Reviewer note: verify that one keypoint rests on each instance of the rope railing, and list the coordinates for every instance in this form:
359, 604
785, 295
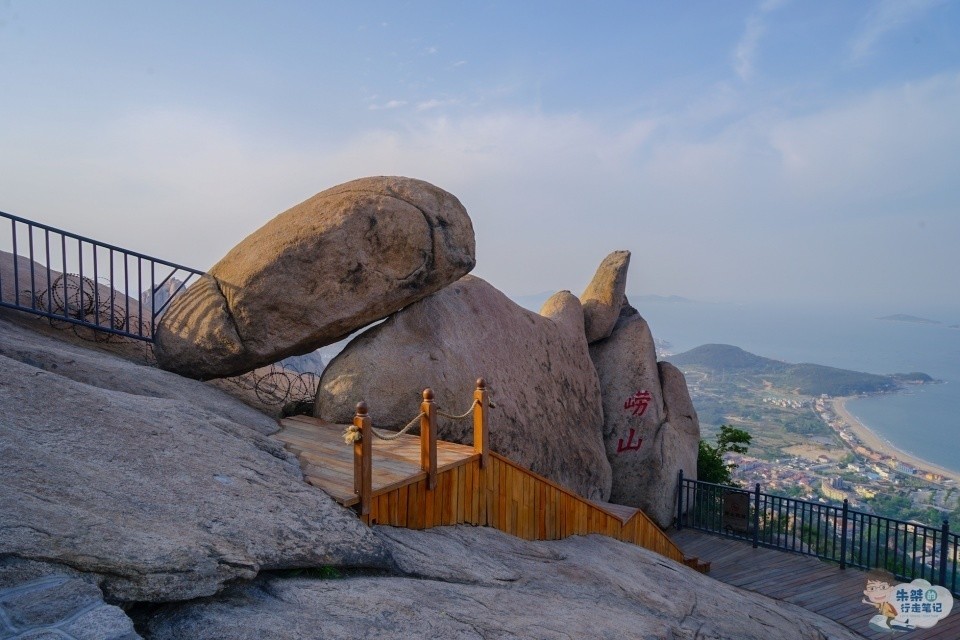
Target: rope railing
352, 434
465, 414
361, 435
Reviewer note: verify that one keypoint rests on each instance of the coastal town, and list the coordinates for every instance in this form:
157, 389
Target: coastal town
806, 444
869, 473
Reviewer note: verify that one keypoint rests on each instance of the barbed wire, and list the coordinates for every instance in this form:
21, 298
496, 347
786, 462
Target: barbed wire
278, 385
80, 298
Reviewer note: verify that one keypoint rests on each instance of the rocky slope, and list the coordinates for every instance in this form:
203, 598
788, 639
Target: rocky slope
466, 582
169, 498
164, 488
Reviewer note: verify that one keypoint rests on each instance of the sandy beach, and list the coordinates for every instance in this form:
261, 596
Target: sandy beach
875, 443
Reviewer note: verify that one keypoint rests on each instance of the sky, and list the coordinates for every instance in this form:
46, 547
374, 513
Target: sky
800, 152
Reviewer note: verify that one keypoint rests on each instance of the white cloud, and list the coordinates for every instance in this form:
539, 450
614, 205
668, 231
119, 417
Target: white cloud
550, 195
745, 53
392, 104
896, 141
436, 103
746, 50
884, 17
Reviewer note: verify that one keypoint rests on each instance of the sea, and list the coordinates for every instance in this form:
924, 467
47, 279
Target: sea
923, 420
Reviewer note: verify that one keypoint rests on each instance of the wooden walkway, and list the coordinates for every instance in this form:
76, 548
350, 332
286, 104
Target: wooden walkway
500, 493
813, 584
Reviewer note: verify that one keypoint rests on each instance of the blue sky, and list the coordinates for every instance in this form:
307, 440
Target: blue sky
804, 151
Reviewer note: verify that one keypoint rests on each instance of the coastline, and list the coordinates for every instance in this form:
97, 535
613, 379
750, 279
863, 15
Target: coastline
875, 443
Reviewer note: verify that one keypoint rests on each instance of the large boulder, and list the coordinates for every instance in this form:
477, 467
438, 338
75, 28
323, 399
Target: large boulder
345, 258
481, 583
548, 414
604, 296
160, 487
682, 434
650, 427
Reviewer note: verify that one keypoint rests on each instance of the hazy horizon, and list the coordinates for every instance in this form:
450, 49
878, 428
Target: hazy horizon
768, 152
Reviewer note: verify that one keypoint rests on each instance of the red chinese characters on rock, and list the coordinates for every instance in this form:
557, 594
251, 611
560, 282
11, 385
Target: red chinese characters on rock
638, 402
630, 446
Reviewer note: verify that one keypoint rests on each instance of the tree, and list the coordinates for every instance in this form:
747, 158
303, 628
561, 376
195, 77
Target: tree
710, 464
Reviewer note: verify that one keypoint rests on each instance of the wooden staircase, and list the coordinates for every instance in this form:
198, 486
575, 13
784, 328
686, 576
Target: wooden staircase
418, 482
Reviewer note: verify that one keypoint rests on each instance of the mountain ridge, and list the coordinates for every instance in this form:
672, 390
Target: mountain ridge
806, 378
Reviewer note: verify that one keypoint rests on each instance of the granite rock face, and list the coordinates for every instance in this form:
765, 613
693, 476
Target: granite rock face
161, 496
474, 582
684, 431
651, 430
38, 600
548, 413
604, 296
345, 258
18, 284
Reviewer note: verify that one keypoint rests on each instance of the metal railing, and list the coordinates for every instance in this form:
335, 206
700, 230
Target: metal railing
838, 534
72, 279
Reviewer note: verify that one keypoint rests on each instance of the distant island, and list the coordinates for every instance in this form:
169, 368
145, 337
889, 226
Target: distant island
806, 379
902, 317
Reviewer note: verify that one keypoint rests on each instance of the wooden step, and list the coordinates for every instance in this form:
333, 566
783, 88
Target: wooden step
499, 493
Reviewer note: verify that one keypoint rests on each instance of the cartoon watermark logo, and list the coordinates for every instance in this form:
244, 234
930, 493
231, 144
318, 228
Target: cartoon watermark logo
905, 606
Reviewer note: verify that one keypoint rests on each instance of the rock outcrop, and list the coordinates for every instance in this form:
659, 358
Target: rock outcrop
161, 487
345, 258
38, 600
21, 279
548, 415
604, 296
481, 583
646, 448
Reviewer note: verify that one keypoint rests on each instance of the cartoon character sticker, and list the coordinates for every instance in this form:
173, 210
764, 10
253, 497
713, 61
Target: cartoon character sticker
906, 606
877, 592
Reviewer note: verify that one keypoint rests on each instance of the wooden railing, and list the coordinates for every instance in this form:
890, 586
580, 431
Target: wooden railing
485, 489
363, 446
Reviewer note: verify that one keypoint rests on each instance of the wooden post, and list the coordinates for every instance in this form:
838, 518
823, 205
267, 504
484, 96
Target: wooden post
428, 438
363, 459
481, 435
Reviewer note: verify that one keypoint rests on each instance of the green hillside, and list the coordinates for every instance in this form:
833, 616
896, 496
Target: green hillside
807, 379
726, 357
816, 379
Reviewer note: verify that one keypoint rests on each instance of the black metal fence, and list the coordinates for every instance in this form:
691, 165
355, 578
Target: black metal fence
72, 279
836, 533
